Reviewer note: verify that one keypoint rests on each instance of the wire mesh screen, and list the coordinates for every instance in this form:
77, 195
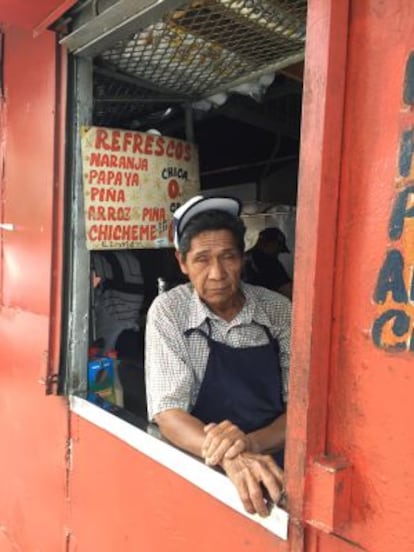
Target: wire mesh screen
208, 44
118, 103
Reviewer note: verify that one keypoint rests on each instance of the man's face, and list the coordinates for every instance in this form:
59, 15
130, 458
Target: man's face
213, 264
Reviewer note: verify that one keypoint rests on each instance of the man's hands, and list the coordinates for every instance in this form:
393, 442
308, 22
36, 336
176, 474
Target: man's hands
253, 475
223, 441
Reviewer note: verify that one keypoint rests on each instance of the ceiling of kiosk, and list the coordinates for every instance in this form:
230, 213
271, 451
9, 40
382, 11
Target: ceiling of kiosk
196, 48
208, 45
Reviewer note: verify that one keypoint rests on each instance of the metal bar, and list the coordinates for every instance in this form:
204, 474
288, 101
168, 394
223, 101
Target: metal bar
108, 71
266, 168
273, 67
189, 123
52, 17
137, 100
249, 165
78, 257
116, 23
57, 312
80, 7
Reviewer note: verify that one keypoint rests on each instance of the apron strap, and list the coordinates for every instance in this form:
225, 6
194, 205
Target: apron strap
188, 332
272, 340
275, 344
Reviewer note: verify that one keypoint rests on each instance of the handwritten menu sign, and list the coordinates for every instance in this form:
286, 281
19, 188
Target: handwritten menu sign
133, 183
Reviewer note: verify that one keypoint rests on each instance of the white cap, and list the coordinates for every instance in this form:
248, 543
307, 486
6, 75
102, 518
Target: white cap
199, 204
153, 131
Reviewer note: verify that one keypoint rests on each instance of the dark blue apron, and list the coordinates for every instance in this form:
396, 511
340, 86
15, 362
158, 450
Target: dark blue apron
243, 385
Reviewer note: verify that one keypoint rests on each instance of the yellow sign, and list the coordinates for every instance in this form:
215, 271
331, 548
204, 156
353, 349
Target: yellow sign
133, 183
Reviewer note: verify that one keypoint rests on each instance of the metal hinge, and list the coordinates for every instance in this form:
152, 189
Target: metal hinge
52, 383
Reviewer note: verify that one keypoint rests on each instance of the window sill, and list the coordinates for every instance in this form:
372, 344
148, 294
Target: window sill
191, 469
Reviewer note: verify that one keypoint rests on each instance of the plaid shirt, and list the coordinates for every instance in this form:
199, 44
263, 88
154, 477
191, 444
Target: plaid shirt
175, 363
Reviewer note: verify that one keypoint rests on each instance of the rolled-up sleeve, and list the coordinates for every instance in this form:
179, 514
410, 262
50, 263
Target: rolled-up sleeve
168, 374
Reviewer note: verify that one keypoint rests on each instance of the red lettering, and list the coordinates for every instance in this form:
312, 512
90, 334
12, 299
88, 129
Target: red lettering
109, 213
94, 193
137, 143
159, 150
95, 159
111, 194
92, 233
119, 232
148, 144
101, 139
173, 189
127, 140
134, 235
132, 179
92, 175
115, 140
153, 213
144, 232
170, 148
171, 231
179, 151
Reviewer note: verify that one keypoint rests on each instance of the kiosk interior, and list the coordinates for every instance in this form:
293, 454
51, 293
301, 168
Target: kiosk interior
214, 84
252, 160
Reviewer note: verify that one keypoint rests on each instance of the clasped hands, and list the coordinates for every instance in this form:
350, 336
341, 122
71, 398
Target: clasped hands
232, 449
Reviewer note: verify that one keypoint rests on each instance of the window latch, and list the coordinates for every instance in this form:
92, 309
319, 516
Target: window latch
329, 501
52, 382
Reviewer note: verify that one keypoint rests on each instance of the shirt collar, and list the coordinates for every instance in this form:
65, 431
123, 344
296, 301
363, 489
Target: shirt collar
251, 311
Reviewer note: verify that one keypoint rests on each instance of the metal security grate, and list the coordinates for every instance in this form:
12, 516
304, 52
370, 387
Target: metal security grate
208, 45
119, 103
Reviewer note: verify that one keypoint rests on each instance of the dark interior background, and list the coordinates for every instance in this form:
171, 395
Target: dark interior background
245, 140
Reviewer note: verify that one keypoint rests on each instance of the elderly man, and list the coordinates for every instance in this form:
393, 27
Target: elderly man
217, 355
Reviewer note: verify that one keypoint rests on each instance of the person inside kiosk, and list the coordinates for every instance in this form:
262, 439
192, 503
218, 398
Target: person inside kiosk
217, 356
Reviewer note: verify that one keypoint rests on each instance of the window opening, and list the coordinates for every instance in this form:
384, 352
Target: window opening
248, 139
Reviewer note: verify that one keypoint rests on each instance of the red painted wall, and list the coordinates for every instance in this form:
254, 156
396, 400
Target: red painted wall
33, 427
349, 397
122, 500
31, 14
356, 396
371, 405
